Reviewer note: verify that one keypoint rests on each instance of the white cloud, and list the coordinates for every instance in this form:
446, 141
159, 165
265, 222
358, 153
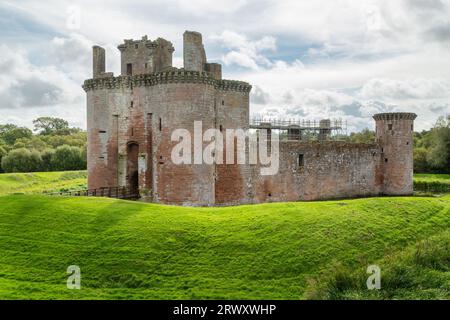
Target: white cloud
245, 53
322, 58
28, 90
382, 88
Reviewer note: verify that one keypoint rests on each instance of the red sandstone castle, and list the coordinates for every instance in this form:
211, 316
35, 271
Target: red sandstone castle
131, 118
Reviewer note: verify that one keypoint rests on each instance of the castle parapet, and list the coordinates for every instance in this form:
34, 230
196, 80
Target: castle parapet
395, 116
177, 76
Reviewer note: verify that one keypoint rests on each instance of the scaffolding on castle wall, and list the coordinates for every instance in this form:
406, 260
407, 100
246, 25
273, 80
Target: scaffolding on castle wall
302, 129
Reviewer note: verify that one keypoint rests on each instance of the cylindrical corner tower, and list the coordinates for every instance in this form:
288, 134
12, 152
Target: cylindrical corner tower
394, 133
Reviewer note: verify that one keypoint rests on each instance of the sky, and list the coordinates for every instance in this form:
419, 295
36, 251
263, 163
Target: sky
318, 59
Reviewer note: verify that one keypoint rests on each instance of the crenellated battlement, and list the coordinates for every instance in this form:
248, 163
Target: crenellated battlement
173, 76
395, 116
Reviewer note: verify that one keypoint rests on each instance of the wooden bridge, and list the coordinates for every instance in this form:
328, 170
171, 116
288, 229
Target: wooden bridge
109, 192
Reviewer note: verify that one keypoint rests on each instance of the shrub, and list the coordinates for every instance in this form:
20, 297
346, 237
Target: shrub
68, 158
22, 160
47, 162
2, 154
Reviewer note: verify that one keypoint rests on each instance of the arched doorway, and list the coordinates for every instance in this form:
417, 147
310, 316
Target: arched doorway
132, 167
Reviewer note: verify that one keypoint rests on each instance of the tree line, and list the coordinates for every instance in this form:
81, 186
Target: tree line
51, 146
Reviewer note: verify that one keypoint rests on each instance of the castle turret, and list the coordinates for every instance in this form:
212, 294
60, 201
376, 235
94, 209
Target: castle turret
394, 133
98, 61
193, 51
194, 56
145, 56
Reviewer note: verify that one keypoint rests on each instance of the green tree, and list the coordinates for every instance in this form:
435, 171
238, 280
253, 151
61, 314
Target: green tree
420, 160
439, 155
365, 136
47, 159
6, 127
2, 154
22, 160
35, 142
50, 125
10, 133
68, 158
76, 139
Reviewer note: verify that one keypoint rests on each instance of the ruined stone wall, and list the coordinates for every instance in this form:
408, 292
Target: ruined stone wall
98, 61
194, 56
330, 169
145, 56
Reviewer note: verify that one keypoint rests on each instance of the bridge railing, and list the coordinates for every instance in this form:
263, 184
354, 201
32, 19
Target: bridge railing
109, 192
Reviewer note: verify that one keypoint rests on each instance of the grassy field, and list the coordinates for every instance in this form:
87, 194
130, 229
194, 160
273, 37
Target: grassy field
38, 182
432, 183
132, 250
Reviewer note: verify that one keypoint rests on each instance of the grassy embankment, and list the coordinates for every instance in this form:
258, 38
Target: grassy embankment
38, 182
270, 251
432, 183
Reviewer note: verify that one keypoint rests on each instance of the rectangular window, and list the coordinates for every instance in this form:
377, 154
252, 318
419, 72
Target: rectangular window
129, 69
390, 126
301, 160
160, 124
101, 131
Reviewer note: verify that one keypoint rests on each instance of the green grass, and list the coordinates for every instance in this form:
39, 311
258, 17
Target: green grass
38, 182
421, 271
132, 250
432, 183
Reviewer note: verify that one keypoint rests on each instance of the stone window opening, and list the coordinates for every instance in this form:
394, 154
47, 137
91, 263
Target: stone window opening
136, 46
407, 143
390, 126
220, 128
146, 65
160, 124
386, 160
223, 102
270, 194
101, 131
300, 160
132, 131
131, 104
129, 69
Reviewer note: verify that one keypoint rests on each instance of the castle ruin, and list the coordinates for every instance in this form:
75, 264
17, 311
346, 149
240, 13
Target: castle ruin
130, 119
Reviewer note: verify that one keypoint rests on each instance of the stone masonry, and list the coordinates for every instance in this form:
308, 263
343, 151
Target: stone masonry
131, 118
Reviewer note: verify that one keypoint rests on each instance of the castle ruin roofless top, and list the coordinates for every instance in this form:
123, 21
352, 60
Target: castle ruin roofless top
131, 118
